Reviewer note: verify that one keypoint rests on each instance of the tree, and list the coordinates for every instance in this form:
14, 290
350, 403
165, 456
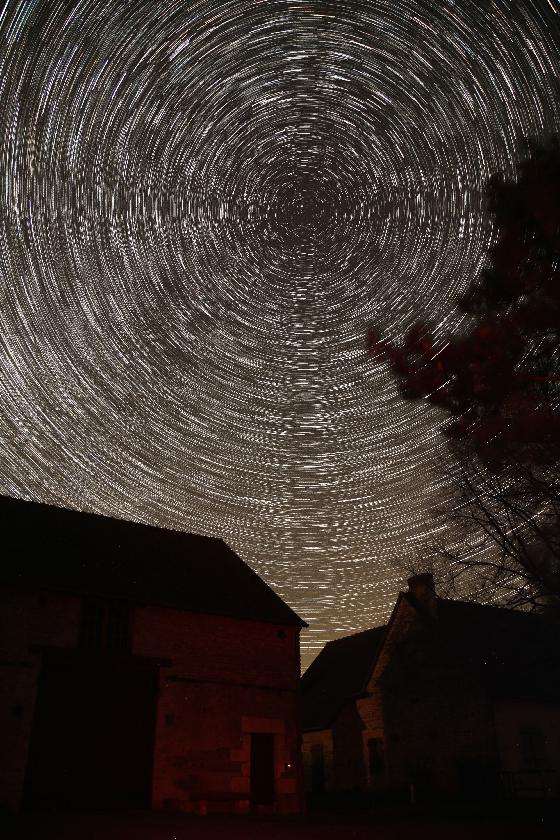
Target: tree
502, 535
499, 383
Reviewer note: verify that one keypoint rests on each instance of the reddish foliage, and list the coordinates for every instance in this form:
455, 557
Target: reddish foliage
499, 382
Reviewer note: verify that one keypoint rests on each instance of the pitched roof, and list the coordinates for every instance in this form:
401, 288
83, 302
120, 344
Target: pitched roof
53, 548
516, 653
341, 671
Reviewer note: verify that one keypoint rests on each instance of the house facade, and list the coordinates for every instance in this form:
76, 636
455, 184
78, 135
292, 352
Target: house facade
141, 667
333, 741
451, 698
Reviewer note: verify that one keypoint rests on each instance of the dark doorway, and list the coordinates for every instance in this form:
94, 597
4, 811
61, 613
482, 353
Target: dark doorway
376, 757
317, 769
92, 739
262, 769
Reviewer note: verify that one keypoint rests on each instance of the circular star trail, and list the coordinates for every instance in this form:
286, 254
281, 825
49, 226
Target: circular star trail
202, 207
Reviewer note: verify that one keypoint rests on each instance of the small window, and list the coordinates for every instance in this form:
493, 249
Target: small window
105, 626
533, 749
91, 626
376, 756
117, 627
317, 769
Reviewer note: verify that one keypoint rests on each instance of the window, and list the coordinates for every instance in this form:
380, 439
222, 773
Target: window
533, 748
317, 769
117, 627
105, 626
376, 758
91, 628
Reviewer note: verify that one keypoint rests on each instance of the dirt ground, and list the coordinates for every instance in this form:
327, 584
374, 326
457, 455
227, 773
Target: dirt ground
314, 826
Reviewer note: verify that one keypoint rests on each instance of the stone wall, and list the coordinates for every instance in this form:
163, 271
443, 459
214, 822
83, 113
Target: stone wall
528, 736
318, 761
370, 707
228, 678
26, 619
428, 726
348, 752
439, 728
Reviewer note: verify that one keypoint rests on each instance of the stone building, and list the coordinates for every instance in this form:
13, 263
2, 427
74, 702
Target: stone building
448, 698
141, 666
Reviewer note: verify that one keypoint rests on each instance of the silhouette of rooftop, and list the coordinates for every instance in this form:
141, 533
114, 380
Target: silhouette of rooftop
52, 548
339, 672
515, 653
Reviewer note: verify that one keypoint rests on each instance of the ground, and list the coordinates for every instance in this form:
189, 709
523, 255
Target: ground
392, 825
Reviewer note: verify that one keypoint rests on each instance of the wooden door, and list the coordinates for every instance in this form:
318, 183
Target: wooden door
262, 769
317, 769
92, 739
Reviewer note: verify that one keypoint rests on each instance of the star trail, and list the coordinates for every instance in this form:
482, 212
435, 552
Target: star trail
202, 207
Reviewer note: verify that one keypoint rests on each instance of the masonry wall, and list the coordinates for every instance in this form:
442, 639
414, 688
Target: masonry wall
318, 747
26, 619
349, 762
370, 707
428, 726
229, 678
342, 752
528, 737
427, 716
347, 756
439, 726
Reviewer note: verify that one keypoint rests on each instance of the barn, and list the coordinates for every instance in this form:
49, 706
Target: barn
141, 667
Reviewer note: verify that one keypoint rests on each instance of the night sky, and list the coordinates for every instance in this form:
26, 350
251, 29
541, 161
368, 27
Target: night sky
202, 207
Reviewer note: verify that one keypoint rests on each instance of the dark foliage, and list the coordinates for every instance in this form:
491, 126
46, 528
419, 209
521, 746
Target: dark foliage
504, 534
499, 382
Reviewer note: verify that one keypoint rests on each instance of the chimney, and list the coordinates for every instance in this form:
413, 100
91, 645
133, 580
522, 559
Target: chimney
423, 591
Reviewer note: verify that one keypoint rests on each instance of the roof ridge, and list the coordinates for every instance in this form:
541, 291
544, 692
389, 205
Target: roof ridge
496, 607
357, 633
111, 517
144, 563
